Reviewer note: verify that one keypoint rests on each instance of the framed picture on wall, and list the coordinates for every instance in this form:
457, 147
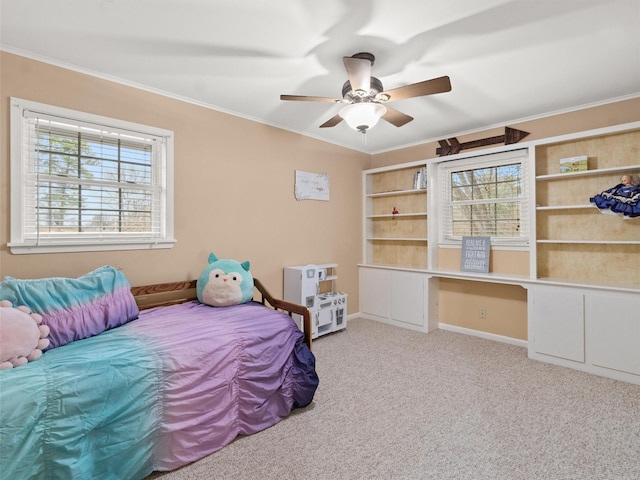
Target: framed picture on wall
311, 186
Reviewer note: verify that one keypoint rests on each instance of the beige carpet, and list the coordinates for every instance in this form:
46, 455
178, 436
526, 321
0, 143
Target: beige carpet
397, 404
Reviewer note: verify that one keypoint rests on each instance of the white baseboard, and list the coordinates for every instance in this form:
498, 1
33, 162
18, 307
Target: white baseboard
452, 328
353, 315
485, 335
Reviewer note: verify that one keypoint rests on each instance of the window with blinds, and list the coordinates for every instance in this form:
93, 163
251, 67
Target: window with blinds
82, 182
486, 196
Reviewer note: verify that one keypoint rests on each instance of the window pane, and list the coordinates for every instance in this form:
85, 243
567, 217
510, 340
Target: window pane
135, 173
136, 222
484, 175
103, 148
56, 141
57, 164
459, 194
461, 229
485, 183
99, 221
70, 207
89, 183
463, 178
508, 172
494, 219
487, 190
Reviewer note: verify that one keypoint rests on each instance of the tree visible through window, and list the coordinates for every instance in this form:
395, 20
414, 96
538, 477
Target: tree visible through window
82, 182
486, 201
485, 196
92, 184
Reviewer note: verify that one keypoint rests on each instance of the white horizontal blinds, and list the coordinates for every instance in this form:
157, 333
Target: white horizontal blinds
487, 197
88, 181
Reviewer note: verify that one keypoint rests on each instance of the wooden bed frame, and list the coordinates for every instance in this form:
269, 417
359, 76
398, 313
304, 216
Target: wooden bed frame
163, 294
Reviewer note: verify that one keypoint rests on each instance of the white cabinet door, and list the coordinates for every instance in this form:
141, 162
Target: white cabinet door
401, 298
407, 298
375, 292
613, 331
556, 320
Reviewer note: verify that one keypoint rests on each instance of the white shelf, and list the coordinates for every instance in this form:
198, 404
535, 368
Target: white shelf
565, 207
398, 239
599, 171
397, 192
595, 242
391, 215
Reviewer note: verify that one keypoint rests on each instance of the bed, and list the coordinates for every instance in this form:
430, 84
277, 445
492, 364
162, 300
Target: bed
168, 387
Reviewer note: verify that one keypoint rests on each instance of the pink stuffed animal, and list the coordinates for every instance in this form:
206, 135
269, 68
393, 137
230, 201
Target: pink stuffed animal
22, 338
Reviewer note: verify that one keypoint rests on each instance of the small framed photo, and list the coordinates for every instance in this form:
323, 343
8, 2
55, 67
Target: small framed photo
574, 164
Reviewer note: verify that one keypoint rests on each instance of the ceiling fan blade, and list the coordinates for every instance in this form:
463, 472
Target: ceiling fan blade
395, 117
332, 122
302, 98
428, 87
358, 72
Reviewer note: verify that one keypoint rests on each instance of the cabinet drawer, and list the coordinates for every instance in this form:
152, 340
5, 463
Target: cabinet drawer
557, 317
613, 331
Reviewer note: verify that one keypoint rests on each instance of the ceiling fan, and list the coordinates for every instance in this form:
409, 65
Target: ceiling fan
365, 96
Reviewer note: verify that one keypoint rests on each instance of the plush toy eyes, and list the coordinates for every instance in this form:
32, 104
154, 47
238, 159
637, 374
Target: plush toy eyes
233, 276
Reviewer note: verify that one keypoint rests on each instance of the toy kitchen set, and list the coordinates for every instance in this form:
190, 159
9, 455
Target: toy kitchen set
313, 287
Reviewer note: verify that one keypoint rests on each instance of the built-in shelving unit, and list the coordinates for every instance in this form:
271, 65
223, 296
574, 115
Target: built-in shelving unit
395, 238
575, 241
583, 278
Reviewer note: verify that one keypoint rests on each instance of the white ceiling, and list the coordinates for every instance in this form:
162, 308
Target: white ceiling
508, 60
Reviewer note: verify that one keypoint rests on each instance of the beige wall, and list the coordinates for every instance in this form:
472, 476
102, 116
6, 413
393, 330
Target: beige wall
505, 307
234, 192
234, 187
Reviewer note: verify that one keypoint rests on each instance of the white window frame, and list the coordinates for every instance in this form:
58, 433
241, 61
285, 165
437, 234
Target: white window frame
23, 241
445, 169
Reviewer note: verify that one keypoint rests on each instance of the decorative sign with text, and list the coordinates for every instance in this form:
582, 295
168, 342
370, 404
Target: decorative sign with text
475, 254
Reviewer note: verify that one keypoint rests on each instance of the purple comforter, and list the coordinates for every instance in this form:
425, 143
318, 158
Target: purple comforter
164, 390
227, 371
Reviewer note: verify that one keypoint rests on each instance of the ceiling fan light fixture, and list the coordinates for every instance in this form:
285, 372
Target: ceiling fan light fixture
362, 116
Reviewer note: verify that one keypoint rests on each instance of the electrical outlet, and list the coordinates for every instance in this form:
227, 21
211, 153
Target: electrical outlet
483, 313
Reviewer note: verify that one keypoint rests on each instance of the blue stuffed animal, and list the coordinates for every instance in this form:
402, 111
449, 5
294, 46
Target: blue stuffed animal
225, 282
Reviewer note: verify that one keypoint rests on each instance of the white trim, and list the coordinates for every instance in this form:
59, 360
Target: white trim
394, 323
440, 172
22, 243
487, 336
444, 326
89, 247
90, 118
